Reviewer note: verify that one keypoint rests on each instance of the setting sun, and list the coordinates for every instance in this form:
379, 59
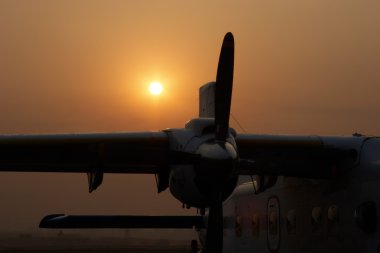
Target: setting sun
155, 88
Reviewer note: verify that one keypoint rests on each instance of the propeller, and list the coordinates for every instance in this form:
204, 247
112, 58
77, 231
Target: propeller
214, 235
223, 94
223, 87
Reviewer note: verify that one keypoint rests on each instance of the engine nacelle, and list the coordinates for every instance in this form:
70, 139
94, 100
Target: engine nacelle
212, 171
185, 187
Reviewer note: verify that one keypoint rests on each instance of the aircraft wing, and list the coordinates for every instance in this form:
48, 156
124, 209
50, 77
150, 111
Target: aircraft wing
297, 156
94, 154
140, 152
148, 153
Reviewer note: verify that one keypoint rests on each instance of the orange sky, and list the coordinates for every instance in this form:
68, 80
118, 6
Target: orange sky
302, 67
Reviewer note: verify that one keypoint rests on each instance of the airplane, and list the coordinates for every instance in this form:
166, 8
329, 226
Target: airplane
305, 193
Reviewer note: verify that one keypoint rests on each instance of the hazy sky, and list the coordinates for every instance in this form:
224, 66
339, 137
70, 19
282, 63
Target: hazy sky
302, 67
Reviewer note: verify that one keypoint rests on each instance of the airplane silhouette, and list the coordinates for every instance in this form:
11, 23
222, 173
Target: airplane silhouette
201, 164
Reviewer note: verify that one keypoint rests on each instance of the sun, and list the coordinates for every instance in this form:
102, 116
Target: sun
155, 88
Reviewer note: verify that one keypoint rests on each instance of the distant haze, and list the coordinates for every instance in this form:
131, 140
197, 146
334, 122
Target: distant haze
302, 67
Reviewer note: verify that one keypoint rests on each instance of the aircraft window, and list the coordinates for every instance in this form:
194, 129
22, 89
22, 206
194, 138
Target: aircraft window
255, 224
238, 226
273, 214
291, 222
273, 223
333, 218
316, 220
365, 216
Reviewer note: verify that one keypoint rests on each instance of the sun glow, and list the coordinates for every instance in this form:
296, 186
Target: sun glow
155, 88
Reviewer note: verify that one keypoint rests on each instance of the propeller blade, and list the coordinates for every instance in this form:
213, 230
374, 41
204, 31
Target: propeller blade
223, 87
214, 236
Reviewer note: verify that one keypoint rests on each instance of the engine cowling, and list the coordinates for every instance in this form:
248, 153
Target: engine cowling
196, 184
210, 166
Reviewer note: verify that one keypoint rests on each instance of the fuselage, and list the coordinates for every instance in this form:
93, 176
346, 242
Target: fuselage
308, 215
